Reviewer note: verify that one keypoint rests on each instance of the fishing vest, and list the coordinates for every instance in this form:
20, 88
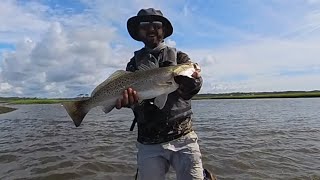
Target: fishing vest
160, 125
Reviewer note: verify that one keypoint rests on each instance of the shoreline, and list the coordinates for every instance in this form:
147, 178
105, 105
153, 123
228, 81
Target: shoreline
4, 109
237, 95
260, 95
251, 97
276, 95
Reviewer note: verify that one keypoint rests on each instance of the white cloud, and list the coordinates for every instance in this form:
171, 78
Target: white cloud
313, 1
16, 21
169, 42
5, 87
261, 66
64, 62
64, 54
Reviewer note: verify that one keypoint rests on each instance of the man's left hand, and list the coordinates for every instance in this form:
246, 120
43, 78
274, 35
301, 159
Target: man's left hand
196, 75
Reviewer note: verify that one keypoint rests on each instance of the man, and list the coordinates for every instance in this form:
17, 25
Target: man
165, 137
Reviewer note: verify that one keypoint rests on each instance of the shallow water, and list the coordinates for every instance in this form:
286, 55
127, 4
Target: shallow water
239, 139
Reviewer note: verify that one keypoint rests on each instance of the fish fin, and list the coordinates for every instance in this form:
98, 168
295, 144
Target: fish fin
113, 76
77, 110
152, 65
161, 100
107, 109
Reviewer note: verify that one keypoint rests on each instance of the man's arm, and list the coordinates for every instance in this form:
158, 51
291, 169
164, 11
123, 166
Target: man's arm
188, 87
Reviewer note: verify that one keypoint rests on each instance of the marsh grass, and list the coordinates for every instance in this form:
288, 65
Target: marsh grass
253, 95
298, 94
4, 109
36, 101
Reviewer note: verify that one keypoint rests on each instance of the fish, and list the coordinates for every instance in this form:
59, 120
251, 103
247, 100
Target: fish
149, 82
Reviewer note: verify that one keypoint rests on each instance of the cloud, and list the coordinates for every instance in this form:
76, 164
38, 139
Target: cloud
170, 43
62, 54
313, 1
74, 57
17, 21
268, 65
65, 51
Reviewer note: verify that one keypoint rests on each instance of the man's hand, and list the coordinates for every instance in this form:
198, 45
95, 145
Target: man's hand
188, 87
129, 98
196, 75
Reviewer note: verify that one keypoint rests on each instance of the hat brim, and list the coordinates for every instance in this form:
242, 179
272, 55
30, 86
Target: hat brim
133, 25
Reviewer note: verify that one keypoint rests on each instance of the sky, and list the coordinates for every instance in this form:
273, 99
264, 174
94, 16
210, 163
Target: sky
63, 48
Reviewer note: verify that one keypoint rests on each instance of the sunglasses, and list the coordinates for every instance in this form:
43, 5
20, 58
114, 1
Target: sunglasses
154, 24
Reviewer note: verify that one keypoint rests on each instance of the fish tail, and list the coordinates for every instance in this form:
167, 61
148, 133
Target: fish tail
77, 110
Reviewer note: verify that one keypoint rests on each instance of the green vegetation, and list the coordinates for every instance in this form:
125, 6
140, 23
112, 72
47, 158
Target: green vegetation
17, 100
4, 109
251, 95
36, 101
257, 95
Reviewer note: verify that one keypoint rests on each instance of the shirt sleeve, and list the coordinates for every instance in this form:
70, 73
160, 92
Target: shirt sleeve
131, 65
188, 87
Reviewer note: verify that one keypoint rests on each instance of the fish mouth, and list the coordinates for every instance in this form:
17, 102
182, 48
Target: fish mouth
196, 67
187, 70
181, 79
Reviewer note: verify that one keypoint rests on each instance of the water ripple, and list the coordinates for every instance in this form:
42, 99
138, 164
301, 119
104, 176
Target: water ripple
239, 139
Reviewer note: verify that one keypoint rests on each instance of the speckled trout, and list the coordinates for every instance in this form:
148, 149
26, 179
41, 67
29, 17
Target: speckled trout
149, 82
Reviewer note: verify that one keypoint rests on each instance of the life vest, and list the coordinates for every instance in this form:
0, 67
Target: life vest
160, 125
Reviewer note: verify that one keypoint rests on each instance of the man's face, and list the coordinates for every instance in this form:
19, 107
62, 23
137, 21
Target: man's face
151, 33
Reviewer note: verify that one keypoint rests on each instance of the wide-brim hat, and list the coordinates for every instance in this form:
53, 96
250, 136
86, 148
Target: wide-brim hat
149, 14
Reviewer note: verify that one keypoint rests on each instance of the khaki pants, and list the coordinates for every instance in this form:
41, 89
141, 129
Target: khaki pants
182, 154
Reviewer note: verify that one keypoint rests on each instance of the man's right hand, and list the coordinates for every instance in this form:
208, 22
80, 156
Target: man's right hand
129, 98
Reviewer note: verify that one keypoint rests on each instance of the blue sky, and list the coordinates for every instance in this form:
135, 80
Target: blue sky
62, 48
7, 46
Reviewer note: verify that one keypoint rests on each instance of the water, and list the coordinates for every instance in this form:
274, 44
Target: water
239, 139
